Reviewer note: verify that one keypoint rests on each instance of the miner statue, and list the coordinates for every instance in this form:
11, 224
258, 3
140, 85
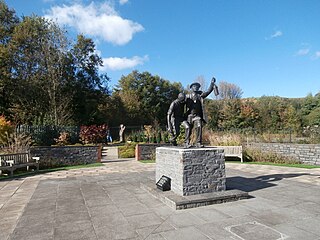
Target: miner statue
188, 111
175, 118
195, 108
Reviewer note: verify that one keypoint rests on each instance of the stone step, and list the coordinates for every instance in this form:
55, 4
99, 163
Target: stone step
178, 202
110, 153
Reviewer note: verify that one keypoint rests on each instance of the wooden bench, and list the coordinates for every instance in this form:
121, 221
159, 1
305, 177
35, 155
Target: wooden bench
11, 162
232, 151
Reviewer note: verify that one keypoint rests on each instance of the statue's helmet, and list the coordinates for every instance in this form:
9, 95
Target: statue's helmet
195, 84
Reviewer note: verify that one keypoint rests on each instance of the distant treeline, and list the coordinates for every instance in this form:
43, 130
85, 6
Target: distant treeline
265, 113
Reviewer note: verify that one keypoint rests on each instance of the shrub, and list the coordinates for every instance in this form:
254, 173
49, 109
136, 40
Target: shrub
17, 143
44, 135
153, 137
313, 133
165, 136
64, 139
127, 151
223, 139
6, 128
93, 134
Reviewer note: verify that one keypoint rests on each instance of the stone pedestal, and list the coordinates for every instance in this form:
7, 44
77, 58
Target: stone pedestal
192, 171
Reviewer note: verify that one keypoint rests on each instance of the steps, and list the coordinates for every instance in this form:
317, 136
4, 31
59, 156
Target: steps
109, 153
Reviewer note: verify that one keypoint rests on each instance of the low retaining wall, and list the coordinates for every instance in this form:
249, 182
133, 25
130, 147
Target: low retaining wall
306, 153
147, 151
66, 155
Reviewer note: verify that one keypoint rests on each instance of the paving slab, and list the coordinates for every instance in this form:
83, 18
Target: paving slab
186, 233
108, 203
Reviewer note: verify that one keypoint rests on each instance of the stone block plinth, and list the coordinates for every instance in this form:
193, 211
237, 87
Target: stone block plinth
192, 171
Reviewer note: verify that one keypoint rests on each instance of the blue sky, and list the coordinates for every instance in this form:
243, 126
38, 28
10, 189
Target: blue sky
266, 47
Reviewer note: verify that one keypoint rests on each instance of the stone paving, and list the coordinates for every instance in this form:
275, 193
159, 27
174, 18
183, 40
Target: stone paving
108, 203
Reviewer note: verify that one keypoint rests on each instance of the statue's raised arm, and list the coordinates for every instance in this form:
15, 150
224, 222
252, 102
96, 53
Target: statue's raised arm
212, 87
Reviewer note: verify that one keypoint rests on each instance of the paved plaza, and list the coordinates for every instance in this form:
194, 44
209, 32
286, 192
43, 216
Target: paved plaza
108, 203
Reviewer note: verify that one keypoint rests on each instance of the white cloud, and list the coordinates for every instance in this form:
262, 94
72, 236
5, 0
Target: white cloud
98, 20
302, 52
317, 55
116, 63
122, 2
276, 34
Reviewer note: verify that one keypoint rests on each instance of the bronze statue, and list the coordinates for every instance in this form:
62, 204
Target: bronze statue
195, 108
193, 116
175, 118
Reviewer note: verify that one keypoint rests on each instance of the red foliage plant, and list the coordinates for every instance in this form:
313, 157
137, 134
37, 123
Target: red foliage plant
93, 134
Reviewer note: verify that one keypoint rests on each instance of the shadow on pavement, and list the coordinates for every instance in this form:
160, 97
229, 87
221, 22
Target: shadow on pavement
116, 160
257, 183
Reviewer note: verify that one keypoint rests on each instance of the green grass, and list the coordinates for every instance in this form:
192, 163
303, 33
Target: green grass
280, 164
260, 163
147, 161
25, 173
75, 167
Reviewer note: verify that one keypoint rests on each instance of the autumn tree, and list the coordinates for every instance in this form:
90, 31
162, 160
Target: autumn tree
249, 114
230, 115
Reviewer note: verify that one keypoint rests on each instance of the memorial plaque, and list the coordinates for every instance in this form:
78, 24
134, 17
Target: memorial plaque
164, 183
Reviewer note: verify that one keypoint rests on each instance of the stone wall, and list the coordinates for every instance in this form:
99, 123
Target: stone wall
66, 155
306, 153
147, 151
192, 171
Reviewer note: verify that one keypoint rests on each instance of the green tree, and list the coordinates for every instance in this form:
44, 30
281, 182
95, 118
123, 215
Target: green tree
27, 72
269, 114
8, 21
90, 87
313, 118
291, 119
45, 79
311, 110
146, 98
38, 83
213, 112
230, 118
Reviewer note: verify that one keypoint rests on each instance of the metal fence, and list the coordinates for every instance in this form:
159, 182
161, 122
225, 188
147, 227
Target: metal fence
306, 136
46, 135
